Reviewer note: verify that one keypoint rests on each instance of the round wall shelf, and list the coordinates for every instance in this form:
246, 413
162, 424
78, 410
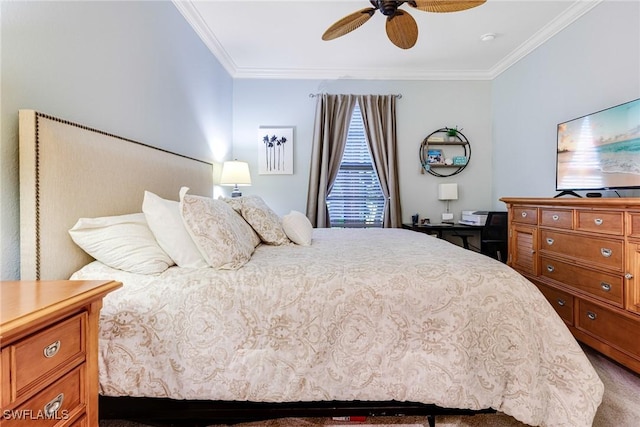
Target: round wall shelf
444, 155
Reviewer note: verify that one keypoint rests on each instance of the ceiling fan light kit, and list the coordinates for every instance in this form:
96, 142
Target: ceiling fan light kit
401, 28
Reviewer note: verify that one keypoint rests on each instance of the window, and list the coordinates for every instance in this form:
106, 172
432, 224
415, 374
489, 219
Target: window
356, 199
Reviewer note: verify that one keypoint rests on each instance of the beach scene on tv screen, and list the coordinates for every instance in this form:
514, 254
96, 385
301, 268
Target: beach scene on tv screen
600, 150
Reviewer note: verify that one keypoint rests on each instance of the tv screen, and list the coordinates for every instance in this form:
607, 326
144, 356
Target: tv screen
600, 151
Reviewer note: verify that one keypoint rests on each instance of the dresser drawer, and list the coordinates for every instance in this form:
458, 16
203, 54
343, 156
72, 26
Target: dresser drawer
634, 224
562, 302
48, 350
607, 287
614, 329
558, 218
592, 250
601, 222
66, 395
525, 215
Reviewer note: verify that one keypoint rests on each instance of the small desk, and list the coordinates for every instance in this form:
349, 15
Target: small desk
439, 229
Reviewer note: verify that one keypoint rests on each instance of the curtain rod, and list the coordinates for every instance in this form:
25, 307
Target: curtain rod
314, 95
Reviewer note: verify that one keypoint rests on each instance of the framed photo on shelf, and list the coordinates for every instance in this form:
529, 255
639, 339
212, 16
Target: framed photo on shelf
435, 156
460, 160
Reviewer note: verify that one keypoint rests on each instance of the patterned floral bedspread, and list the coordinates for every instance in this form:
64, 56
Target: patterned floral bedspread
358, 315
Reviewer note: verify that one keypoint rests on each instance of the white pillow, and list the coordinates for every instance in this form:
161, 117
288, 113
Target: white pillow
223, 237
298, 228
124, 242
261, 218
164, 220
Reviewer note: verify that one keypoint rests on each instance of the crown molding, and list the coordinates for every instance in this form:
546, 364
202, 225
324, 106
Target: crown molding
193, 17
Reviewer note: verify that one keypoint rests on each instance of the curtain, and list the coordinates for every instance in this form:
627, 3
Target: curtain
379, 119
333, 115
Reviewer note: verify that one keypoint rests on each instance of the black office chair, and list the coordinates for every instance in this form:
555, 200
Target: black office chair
493, 238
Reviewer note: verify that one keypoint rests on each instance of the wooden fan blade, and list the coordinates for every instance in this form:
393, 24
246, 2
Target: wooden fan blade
402, 30
348, 23
444, 6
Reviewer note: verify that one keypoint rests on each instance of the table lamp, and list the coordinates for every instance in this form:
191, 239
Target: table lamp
447, 192
237, 174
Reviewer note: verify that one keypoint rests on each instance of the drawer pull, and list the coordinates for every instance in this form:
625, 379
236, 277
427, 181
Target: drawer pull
606, 252
555, 217
52, 349
549, 241
524, 214
51, 408
598, 221
561, 302
605, 286
550, 268
591, 315
628, 276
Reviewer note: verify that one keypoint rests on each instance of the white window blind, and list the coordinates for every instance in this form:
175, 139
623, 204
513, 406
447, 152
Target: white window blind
356, 200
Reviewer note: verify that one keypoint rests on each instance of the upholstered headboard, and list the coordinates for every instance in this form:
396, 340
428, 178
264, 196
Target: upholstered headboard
69, 171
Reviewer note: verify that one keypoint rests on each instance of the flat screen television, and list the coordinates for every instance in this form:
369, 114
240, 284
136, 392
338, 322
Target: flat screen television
600, 151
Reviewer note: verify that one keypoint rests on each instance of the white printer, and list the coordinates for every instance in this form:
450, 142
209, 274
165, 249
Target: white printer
474, 217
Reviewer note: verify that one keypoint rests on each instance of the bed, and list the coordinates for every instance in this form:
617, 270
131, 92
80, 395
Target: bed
373, 321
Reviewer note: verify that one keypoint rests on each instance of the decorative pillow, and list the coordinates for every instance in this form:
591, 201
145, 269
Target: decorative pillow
223, 238
164, 219
261, 218
124, 242
298, 228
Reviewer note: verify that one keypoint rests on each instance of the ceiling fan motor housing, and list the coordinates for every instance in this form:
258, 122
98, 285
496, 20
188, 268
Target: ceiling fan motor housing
388, 7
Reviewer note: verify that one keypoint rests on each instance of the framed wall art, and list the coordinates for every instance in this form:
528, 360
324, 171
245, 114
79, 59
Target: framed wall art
275, 150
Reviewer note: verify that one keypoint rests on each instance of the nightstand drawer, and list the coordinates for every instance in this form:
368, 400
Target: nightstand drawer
48, 350
607, 287
66, 395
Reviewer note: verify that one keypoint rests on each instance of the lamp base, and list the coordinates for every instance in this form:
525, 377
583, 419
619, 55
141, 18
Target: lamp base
236, 192
447, 216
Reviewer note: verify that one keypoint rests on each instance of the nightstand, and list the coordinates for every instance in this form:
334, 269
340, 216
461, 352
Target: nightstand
49, 352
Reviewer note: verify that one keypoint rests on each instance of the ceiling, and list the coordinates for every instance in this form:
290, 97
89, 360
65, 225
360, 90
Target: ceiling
282, 38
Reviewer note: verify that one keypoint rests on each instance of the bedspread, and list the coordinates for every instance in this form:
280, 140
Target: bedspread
373, 314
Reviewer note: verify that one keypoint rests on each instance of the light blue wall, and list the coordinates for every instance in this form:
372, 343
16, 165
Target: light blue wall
591, 65
424, 107
135, 69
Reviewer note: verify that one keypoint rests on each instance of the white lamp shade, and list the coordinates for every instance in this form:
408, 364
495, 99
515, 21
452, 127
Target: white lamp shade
235, 173
448, 191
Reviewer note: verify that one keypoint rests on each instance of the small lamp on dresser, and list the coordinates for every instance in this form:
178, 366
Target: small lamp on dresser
235, 173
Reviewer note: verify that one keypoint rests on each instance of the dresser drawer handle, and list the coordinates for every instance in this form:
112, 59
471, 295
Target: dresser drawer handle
550, 241
550, 268
51, 408
628, 276
605, 286
555, 217
591, 315
561, 302
606, 252
598, 221
524, 214
52, 349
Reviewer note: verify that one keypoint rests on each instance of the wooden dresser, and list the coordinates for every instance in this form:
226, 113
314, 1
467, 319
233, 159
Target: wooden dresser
49, 352
584, 255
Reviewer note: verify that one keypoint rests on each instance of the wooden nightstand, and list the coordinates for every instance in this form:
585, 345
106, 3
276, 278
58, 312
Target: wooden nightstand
49, 352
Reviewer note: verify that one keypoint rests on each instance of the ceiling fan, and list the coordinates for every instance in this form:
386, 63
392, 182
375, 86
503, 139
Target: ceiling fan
402, 29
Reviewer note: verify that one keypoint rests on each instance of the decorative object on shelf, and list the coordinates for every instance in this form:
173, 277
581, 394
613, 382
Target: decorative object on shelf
448, 192
275, 150
452, 133
459, 160
237, 174
458, 152
435, 157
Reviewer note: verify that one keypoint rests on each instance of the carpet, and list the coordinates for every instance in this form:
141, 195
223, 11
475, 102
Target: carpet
620, 408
